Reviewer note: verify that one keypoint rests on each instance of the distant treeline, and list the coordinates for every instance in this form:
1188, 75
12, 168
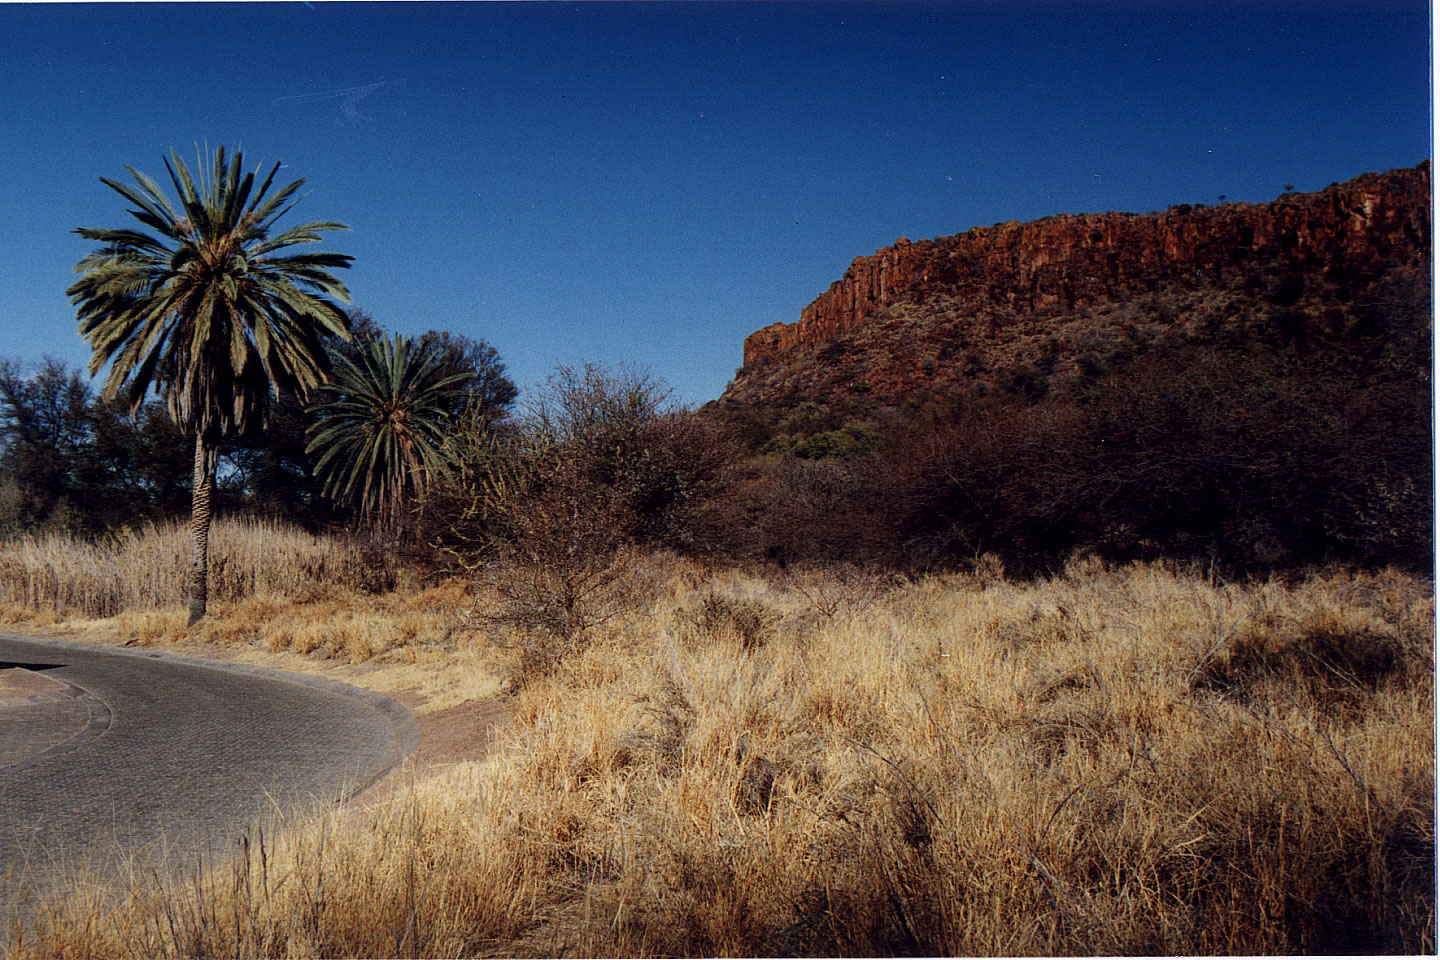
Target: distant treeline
72, 461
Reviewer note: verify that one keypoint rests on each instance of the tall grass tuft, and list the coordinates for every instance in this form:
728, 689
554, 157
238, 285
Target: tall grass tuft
419, 881
147, 569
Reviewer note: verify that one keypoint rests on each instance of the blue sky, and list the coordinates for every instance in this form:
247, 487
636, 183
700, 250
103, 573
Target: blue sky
651, 182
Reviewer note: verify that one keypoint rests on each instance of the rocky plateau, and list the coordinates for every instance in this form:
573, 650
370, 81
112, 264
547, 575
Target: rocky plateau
1054, 294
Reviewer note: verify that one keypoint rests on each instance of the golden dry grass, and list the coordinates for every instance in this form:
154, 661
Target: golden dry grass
148, 569
279, 597
1113, 761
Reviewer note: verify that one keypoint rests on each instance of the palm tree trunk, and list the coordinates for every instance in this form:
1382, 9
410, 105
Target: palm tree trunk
202, 486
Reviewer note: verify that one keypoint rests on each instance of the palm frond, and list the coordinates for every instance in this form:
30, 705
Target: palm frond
194, 308
380, 434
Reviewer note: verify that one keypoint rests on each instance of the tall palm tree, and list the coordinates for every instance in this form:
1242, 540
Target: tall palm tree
202, 309
380, 437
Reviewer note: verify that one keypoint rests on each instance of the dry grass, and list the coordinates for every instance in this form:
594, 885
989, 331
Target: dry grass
1115, 761
147, 569
280, 597
318, 889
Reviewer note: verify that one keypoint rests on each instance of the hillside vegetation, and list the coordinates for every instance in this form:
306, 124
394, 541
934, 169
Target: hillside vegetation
1247, 387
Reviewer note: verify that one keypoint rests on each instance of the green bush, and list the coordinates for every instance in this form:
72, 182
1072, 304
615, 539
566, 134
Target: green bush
849, 440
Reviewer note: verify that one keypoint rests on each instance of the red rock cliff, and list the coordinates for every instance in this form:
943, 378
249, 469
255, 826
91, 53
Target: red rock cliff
1077, 260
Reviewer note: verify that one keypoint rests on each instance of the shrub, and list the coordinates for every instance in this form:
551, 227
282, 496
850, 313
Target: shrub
720, 617
607, 440
837, 590
1245, 464
599, 465
849, 440
557, 573
545, 611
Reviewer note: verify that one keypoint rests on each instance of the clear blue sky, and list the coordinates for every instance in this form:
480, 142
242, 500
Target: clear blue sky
651, 182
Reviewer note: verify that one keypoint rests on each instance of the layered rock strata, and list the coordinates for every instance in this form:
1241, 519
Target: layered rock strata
1074, 261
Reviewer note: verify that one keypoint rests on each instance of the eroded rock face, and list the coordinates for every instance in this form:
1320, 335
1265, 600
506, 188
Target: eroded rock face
1074, 261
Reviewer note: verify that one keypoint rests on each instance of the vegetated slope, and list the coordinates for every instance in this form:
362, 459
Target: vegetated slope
1072, 295
1246, 386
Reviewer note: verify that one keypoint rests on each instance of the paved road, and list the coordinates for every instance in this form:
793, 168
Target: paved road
105, 750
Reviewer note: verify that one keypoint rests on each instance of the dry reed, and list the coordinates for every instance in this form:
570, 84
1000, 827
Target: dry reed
148, 569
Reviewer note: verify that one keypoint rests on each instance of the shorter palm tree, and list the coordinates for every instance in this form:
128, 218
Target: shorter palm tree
380, 437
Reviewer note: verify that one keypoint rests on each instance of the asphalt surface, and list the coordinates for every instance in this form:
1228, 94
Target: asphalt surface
109, 754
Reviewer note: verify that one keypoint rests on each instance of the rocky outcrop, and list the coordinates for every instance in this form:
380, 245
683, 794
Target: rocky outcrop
1073, 261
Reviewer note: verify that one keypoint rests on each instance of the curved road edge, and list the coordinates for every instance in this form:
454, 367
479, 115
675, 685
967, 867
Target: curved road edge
402, 723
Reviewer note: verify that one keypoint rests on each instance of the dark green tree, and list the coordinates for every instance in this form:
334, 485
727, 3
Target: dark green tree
137, 466
72, 461
205, 309
488, 392
44, 429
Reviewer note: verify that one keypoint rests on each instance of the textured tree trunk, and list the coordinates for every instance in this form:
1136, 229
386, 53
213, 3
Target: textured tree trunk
203, 485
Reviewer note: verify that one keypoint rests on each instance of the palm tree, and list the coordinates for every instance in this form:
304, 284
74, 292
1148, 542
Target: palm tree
202, 309
381, 436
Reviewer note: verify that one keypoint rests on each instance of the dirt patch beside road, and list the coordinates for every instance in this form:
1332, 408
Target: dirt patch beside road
18, 685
